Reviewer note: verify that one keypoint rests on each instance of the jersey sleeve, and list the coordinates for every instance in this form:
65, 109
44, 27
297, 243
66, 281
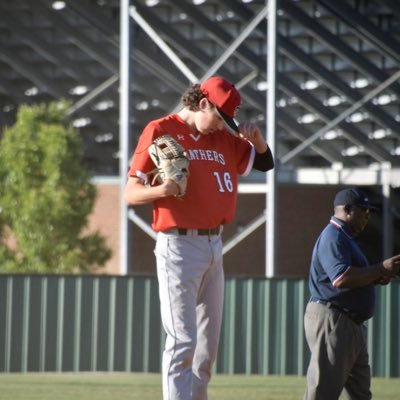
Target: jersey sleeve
141, 163
245, 154
335, 257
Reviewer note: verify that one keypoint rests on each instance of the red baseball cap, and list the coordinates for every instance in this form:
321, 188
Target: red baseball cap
225, 98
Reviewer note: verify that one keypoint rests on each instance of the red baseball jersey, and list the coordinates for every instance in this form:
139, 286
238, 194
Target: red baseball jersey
216, 160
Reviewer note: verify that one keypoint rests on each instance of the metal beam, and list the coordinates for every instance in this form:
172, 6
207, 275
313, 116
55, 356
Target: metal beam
306, 98
197, 56
341, 117
343, 176
229, 51
252, 97
351, 132
141, 54
93, 94
30, 72
301, 133
92, 13
332, 79
337, 45
387, 220
125, 145
271, 256
364, 28
45, 84
52, 53
102, 54
171, 54
41, 45
248, 230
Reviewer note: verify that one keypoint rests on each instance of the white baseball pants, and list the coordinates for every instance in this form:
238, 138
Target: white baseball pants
191, 289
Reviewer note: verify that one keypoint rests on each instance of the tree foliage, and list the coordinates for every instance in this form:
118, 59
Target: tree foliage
46, 196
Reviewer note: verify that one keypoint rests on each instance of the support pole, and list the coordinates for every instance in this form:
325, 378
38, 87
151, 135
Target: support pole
124, 133
387, 228
271, 197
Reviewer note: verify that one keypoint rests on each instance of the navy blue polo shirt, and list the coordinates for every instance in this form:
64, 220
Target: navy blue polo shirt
334, 252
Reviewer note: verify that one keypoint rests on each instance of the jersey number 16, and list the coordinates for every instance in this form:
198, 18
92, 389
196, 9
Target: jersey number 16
225, 183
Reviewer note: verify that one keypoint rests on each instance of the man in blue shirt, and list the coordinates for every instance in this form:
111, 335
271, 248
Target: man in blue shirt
341, 283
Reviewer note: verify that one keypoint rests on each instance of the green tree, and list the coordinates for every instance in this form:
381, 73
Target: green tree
46, 196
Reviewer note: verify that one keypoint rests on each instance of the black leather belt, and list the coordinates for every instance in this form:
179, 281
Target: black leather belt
202, 232
354, 317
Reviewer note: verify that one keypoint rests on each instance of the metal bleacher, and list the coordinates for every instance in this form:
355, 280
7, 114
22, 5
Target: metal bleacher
330, 55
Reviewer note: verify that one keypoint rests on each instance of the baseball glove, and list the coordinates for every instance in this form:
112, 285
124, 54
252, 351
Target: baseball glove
171, 162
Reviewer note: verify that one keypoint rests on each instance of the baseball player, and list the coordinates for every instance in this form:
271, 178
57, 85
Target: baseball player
189, 222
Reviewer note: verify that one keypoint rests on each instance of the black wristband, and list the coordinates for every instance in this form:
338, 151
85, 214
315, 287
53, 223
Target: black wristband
264, 161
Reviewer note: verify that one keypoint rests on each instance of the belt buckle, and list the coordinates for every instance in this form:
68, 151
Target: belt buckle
214, 231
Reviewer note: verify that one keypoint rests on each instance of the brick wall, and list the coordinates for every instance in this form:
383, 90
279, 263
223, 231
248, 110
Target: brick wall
105, 218
303, 211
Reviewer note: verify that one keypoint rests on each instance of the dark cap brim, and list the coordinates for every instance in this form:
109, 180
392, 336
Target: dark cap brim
228, 120
368, 205
372, 208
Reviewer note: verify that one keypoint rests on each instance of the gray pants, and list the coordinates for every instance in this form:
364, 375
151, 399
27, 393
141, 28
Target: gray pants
339, 356
191, 288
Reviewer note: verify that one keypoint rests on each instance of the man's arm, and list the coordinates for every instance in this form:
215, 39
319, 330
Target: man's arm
137, 193
263, 160
355, 277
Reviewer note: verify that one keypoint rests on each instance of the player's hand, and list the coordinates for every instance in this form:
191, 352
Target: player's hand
251, 132
170, 187
392, 264
384, 280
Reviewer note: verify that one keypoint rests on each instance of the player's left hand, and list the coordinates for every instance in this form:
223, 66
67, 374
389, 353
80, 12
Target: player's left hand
251, 132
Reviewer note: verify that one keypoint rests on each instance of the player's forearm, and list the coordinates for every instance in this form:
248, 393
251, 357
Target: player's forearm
261, 146
356, 277
137, 194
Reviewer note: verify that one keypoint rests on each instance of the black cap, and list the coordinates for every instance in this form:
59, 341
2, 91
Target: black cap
353, 197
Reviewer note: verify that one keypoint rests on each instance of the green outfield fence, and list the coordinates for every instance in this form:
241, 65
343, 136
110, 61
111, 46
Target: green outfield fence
109, 323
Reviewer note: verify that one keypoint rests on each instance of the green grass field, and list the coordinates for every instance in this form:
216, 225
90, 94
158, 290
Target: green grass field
115, 386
